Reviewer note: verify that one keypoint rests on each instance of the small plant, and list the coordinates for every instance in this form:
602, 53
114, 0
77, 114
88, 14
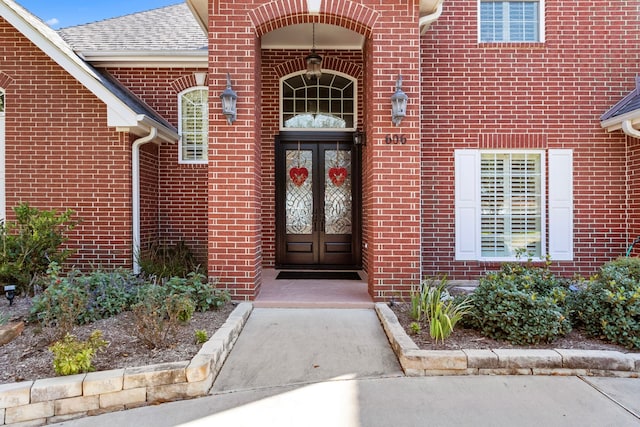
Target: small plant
195, 285
415, 328
4, 318
201, 336
61, 304
165, 261
158, 313
609, 306
434, 305
71, 356
109, 293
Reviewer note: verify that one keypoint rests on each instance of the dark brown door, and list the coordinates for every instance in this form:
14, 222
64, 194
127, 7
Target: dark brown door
317, 205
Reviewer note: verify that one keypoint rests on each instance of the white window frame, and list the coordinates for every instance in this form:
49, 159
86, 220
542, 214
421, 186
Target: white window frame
558, 202
3, 199
541, 22
182, 160
353, 80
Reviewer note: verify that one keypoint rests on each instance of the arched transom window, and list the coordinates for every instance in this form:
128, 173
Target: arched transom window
325, 103
193, 125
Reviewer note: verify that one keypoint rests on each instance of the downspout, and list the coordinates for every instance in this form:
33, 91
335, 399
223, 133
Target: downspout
427, 20
628, 128
135, 193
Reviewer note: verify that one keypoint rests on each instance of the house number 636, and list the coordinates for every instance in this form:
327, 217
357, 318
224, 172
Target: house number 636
395, 139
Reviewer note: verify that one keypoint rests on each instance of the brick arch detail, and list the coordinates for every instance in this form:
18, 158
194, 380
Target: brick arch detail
343, 13
5, 80
328, 63
186, 82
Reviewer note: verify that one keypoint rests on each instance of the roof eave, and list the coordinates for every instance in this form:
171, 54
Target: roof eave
615, 123
163, 59
200, 10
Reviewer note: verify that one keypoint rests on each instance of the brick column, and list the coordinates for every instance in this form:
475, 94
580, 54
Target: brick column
234, 244
392, 165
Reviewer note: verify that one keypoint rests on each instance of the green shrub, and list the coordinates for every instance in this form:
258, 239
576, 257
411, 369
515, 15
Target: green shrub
609, 306
109, 293
521, 303
31, 243
434, 304
61, 304
71, 356
204, 294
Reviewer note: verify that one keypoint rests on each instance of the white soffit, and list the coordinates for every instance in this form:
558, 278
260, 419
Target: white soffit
300, 36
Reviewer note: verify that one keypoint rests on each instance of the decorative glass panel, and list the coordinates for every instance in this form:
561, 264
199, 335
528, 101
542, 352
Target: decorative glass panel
337, 200
511, 186
325, 103
299, 199
194, 125
1, 101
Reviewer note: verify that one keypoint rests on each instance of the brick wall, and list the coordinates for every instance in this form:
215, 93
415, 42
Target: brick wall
60, 153
546, 96
181, 216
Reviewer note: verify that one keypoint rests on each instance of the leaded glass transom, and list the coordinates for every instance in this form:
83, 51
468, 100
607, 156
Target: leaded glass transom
324, 103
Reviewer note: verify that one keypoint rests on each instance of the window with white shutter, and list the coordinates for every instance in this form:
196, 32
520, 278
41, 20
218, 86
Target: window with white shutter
500, 204
511, 200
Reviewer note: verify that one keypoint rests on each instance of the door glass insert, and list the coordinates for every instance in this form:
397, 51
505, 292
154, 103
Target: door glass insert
337, 200
299, 195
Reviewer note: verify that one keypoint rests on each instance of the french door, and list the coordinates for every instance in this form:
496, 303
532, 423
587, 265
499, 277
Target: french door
317, 205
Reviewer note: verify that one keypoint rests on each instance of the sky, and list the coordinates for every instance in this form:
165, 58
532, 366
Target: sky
66, 13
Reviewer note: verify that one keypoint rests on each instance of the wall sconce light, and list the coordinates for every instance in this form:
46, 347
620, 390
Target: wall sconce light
359, 138
398, 103
229, 99
10, 293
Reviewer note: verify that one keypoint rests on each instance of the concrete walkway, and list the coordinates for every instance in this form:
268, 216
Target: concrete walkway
325, 367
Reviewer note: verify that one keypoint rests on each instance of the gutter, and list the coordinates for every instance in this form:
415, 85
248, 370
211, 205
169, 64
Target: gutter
426, 21
135, 193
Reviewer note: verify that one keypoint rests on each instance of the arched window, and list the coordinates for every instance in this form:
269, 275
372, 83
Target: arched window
193, 125
325, 103
3, 203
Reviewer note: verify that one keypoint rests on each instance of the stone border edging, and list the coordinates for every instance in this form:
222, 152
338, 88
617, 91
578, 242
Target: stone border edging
53, 400
416, 362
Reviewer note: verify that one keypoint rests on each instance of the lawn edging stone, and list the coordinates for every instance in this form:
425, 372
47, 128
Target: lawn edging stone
417, 362
51, 400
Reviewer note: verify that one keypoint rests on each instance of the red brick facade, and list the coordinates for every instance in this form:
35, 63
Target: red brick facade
463, 94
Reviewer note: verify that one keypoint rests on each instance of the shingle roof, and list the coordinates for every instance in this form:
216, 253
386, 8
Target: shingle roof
170, 28
113, 94
629, 103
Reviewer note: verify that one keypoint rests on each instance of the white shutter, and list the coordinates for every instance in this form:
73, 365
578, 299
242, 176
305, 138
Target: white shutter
467, 208
561, 205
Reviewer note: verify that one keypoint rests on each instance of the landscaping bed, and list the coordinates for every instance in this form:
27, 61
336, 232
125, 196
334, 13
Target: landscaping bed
464, 338
27, 357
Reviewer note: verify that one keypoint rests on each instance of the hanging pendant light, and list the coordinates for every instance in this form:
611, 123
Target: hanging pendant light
314, 61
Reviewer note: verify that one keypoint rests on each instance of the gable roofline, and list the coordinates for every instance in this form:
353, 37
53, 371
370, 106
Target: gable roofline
120, 113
